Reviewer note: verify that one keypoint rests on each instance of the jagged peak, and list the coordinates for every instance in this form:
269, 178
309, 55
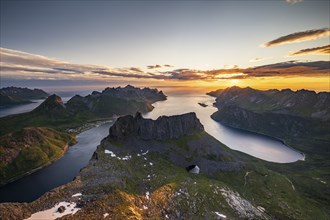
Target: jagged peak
164, 127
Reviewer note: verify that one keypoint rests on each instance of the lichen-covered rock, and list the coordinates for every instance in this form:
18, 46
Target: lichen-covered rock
165, 127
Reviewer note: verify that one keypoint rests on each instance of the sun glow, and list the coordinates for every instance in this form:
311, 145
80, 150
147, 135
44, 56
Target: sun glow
234, 82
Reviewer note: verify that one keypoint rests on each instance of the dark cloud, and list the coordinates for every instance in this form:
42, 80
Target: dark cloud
299, 36
154, 67
291, 68
316, 50
136, 69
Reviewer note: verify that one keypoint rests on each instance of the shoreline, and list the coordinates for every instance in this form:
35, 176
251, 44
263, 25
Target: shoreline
268, 136
66, 147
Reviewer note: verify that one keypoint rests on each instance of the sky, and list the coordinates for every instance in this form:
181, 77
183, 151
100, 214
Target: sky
195, 44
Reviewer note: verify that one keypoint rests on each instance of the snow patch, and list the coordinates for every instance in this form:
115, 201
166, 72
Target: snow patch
110, 152
147, 194
262, 209
243, 207
220, 215
145, 207
105, 215
145, 153
77, 195
52, 213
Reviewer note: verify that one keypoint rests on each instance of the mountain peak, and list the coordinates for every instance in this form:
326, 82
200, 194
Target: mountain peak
53, 105
165, 127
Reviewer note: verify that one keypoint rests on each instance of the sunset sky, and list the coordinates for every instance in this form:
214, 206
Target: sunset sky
200, 45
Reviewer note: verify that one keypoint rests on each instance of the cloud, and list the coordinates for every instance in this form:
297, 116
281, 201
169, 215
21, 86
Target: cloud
258, 59
154, 67
291, 68
324, 50
292, 2
299, 37
167, 65
25, 65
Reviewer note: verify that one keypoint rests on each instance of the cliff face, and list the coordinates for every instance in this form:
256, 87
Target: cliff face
302, 103
288, 115
165, 127
267, 123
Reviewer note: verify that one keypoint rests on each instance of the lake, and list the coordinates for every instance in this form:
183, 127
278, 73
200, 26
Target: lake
257, 145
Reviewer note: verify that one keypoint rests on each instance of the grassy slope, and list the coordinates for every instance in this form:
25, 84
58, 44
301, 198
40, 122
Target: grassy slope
311, 177
128, 181
29, 149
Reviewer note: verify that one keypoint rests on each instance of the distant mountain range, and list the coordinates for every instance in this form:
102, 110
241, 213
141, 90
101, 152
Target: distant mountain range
15, 95
55, 116
302, 103
279, 113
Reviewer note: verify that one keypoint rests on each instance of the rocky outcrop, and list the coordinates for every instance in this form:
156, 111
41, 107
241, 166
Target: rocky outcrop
16, 95
165, 127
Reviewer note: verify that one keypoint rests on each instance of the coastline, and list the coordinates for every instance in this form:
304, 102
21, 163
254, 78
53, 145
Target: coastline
267, 135
66, 147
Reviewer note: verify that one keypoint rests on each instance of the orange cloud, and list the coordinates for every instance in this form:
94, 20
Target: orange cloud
316, 50
24, 64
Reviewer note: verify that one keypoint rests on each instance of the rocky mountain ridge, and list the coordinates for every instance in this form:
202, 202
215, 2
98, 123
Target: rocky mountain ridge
303, 103
165, 127
126, 100
283, 114
78, 110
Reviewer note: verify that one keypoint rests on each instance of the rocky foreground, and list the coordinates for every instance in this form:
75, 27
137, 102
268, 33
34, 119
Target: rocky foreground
139, 175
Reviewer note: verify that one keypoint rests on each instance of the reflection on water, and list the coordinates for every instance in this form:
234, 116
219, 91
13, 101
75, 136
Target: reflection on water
259, 146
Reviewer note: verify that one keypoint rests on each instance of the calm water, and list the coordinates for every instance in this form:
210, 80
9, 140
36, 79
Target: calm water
65, 169
259, 146
17, 109
60, 172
